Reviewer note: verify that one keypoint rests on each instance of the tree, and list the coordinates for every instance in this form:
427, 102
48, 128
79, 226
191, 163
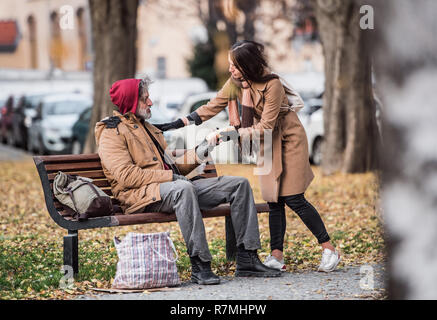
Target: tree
201, 64
351, 133
211, 14
405, 66
114, 34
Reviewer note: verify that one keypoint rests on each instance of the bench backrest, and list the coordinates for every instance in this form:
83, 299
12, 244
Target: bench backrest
85, 165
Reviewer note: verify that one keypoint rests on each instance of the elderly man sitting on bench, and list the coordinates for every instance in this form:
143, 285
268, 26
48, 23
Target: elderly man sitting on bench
144, 177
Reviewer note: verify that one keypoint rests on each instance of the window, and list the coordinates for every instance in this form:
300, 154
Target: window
65, 107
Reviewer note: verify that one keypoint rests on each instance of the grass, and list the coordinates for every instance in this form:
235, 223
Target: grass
31, 243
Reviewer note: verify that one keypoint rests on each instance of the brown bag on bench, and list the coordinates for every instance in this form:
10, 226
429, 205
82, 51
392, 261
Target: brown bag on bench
81, 196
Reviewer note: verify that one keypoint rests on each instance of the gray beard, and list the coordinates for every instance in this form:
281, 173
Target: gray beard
146, 116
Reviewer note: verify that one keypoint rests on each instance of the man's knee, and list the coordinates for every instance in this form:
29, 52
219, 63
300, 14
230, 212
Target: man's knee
184, 188
243, 183
240, 181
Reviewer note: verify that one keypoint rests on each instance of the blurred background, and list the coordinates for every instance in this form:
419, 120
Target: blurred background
47, 51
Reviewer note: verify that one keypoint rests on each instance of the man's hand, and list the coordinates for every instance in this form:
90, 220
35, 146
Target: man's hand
213, 138
220, 135
203, 150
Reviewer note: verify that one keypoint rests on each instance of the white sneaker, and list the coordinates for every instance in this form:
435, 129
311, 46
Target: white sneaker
330, 260
274, 263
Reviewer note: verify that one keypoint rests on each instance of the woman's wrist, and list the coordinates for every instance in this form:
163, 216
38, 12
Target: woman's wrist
185, 121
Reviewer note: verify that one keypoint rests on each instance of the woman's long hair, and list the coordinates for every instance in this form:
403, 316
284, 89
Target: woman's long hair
249, 58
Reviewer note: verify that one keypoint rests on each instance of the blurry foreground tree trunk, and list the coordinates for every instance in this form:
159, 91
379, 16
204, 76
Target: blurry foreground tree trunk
351, 136
406, 72
114, 34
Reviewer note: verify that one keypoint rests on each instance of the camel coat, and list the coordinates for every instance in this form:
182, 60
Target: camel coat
132, 163
290, 168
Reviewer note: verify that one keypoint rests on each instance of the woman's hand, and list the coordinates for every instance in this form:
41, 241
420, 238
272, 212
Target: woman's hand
244, 132
213, 138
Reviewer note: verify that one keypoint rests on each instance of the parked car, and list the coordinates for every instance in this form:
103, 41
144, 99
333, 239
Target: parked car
6, 121
22, 117
2, 103
311, 117
51, 128
80, 131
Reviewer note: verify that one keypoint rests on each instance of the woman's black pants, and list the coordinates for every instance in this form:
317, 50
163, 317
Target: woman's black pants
304, 210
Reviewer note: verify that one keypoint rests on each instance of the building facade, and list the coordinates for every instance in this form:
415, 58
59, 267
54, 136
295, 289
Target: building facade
47, 34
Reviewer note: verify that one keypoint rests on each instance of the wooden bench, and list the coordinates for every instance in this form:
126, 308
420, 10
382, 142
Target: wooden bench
88, 165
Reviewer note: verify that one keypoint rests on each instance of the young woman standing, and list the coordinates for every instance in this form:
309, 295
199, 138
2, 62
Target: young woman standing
265, 108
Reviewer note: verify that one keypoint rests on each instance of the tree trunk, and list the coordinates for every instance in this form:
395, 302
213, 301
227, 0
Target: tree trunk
406, 69
249, 9
351, 134
114, 33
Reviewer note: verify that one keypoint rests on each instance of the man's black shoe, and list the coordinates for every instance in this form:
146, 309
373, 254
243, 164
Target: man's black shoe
201, 272
249, 265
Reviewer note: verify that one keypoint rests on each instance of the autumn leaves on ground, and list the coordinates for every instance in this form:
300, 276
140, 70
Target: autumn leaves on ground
31, 243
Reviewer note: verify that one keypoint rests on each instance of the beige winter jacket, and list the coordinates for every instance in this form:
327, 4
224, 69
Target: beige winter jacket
290, 168
132, 164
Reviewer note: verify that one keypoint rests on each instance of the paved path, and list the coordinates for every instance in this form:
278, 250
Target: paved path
8, 153
346, 283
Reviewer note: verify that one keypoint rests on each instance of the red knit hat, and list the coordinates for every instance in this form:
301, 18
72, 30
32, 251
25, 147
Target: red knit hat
124, 94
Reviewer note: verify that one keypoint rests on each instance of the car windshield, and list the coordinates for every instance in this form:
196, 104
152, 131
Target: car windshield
65, 107
32, 101
86, 115
198, 104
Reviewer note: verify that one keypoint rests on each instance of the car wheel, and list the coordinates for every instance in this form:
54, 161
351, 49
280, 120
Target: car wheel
10, 138
317, 152
29, 146
41, 149
76, 148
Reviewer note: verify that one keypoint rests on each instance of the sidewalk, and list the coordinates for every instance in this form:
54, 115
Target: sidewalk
8, 153
348, 283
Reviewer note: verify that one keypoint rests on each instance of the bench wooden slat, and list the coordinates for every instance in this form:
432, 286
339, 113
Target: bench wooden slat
70, 158
95, 174
73, 166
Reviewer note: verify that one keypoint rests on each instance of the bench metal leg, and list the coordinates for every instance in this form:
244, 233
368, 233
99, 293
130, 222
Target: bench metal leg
71, 250
231, 241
